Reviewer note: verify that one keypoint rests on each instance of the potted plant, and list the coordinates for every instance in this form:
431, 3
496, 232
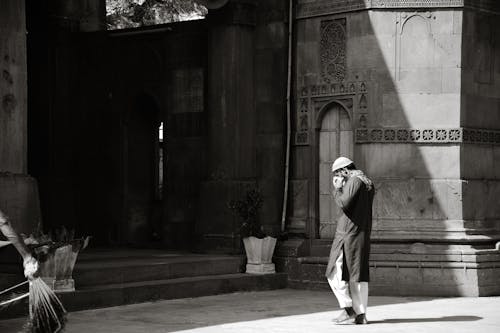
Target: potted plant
56, 253
259, 247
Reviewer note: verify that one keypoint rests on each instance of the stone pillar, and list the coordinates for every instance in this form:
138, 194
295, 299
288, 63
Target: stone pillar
18, 191
480, 149
271, 51
232, 123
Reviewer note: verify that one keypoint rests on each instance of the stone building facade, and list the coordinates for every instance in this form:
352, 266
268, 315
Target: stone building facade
408, 89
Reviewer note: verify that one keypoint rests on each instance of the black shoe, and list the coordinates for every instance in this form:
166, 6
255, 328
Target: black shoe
361, 319
346, 317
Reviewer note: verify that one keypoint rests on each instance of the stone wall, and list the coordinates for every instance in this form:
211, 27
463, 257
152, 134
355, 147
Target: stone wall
401, 80
417, 80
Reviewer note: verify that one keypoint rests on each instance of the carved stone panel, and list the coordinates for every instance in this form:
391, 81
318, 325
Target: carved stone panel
302, 122
333, 50
457, 135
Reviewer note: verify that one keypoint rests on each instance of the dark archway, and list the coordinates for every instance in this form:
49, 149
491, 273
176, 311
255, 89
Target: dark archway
140, 157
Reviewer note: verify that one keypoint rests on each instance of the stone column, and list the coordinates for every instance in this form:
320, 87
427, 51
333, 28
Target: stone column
480, 149
18, 191
232, 123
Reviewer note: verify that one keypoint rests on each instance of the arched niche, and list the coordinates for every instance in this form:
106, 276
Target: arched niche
334, 137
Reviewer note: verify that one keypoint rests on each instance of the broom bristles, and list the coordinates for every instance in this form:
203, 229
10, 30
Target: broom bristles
13, 295
47, 314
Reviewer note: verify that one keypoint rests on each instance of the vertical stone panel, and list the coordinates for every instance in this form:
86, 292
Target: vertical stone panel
333, 50
298, 204
231, 102
480, 53
481, 109
13, 87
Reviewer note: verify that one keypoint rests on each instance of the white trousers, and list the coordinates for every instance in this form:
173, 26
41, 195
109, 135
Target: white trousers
349, 294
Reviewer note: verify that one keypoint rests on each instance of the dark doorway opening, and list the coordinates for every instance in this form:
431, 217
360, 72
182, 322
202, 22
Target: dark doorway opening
142, 195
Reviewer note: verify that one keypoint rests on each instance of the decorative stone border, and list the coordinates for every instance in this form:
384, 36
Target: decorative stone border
427, 135
311, 98
334, 89
307, 9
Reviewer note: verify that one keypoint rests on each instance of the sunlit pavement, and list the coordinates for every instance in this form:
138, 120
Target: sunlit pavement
285, 310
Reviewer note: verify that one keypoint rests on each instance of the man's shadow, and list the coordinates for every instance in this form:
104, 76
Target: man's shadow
425, 320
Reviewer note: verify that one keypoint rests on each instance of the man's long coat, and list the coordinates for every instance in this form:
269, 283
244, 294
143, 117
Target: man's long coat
353, 230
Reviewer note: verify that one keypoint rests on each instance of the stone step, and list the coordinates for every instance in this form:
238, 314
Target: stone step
434, 252
112, 271
116, 277
92, 270
407, 274
147, 291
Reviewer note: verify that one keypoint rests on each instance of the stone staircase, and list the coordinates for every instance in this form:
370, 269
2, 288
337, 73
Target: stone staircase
112, 278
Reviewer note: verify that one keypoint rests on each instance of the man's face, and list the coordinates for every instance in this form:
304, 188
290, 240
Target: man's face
340, 173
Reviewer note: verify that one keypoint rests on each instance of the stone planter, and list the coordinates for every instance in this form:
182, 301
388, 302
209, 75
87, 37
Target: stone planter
259, 255
56, 267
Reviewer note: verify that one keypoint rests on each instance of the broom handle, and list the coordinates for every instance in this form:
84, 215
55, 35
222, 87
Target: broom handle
14, 299
14, 287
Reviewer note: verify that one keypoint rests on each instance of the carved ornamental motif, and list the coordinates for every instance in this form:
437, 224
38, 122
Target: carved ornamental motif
427, 135
333, 50
310, 99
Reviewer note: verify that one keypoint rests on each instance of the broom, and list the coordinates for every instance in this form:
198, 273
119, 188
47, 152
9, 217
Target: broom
46, 312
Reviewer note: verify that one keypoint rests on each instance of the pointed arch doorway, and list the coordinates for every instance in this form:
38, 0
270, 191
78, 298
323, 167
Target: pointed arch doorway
335, 138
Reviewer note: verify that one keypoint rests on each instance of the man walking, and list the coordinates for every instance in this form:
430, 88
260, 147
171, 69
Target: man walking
348, 271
